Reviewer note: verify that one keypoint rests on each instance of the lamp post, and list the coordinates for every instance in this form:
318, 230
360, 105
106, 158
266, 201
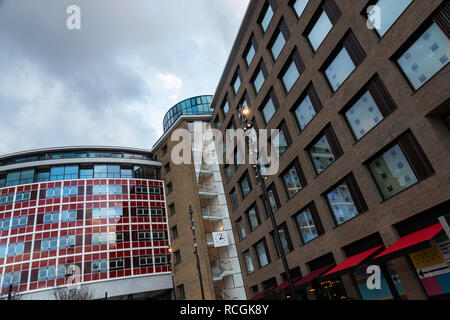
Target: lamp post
173, 276
196, 253
246, 124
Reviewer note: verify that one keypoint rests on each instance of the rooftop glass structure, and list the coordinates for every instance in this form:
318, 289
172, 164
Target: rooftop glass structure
193, 106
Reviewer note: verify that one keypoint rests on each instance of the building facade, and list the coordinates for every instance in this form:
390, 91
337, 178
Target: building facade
94, 216
364, 147
195, 197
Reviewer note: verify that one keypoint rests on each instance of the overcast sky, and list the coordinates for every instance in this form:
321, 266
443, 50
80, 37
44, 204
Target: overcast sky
111, 82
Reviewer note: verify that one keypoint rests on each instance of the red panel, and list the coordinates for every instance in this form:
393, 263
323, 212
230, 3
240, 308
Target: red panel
312, 275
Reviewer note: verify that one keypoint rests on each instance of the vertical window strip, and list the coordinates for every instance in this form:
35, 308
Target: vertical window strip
332, 10
354, 48
314, 97
442, 18
284, 29
415, 155
381, 96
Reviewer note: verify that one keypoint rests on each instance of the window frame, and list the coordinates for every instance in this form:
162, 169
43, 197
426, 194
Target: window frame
300, 175
311, 208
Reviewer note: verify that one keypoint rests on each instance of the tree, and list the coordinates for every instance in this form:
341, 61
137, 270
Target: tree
65, 293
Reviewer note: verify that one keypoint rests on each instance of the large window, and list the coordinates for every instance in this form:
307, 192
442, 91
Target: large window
259, 77
266, 17
262, 253
345, 58
385, 13
306, 107
268, 110
291, 71
324, 150
20, 177
49, 244
400, 166
278, 41
426, 56
293, 179
368, 108
248, 262
308, 223
250, 51
345, 200
320, 30
274, 201
16, 249
98, 266
299, 6
234, 199
11, 279
237, 81
284, 139
253, 217
245, 185
241, 229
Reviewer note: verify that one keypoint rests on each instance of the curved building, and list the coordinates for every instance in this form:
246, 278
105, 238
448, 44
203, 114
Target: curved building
93, 214
199, 105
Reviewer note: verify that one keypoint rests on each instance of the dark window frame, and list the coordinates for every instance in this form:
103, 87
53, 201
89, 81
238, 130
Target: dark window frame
281, 28
260, 67
301, 176
251, 42
274, 6
310, 92
271, 95
298, 61
311, 207
253, 206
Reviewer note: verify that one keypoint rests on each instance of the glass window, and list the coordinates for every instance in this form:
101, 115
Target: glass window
234, 199
2, 251
268, 110
339, 69
305, 112
68, 215
12, 278
245, 186
341, 204
389, 12
99, 190
241, 229
53, 193
299, 6
273, 198
99, 266
306, 226
70, 191
49, 244
101, 171
248, 262
321, 154
250, 54
259, 81
278, 45
392, 172
237, 84
4, 224
292, 181
267, 18
429, 54
26, 176
113, 171
253, 218
290, 76
126, 173
86, 173
363, 115
261, 252
67, 242
43, 176
282, 142
70, 172
19, 222
56, 173
13, 178
226, 108
319, 31
16, 249
228, 172
284, 239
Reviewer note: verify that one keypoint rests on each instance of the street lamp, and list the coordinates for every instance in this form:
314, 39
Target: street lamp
246, 124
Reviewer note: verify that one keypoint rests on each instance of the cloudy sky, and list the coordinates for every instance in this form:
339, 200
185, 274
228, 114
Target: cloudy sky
111, 82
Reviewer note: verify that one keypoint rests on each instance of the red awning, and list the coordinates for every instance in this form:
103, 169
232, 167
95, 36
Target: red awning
411, 241
258, 295
284, 285
353, 261
312, 275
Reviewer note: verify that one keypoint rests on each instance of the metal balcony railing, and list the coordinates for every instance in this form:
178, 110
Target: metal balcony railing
221, 268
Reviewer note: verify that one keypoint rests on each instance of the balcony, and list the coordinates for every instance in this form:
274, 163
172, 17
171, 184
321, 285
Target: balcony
221, 268
212, 213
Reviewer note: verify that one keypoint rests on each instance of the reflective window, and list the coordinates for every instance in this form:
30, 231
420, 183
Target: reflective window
68, 215
342, 204
98, 190
49, 244
339, 69
273, 198
226, 108
2, 251
234, 199
20, 177
53, 193
268, 110
237, 83
261, 252
245, 186
99, 213
12, 278
278, 45
100, 171
320, 31
267, 18
290, 76
67, 242
392, 172
321, 154
23, 196
70, 191
363, 115
284, 239
6, 199
248, 262
253, 218
305, 112
228, 172
241, 229
126, 173
4, 224
51, 217
16, 249
306, 226
291, 181
429, 54
282, 142
98, 266
19, 222
86, 173
43, 176
259, 81
299, 6
250, 54
389, 11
